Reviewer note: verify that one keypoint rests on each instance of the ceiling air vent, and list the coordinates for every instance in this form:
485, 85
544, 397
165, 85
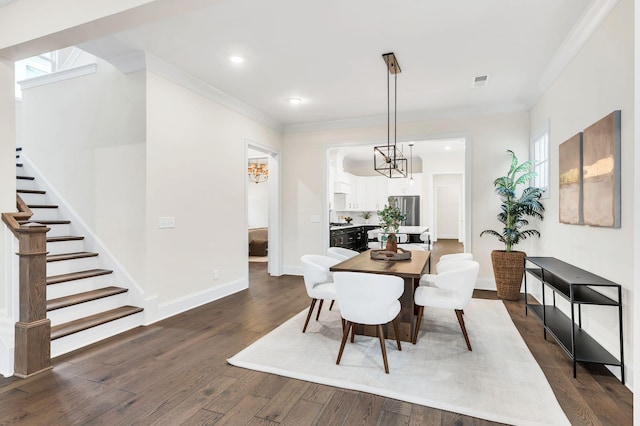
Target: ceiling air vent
480, 81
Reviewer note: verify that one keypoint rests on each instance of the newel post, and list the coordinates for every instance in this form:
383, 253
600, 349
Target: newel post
33, 329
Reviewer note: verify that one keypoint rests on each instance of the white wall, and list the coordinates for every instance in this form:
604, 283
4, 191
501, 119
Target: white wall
87, 137
488, 138
598, 80
196, 172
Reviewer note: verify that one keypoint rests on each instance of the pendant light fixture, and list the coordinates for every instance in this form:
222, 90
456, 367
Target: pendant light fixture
258, 172
411, 163
389, 160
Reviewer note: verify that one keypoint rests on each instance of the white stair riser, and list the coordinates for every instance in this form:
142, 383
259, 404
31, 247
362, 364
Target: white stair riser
73, 265
72, 313
25, 184
33, 198
61, 247
59, 230
84, 338
44, 214
78, 286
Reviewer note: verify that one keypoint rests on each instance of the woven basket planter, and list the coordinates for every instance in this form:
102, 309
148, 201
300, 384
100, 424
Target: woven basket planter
508, 269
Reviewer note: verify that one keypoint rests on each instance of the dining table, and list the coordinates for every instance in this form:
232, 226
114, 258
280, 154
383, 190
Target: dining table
409, 270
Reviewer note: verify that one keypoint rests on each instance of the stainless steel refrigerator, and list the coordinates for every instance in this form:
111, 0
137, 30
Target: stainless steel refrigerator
409, 205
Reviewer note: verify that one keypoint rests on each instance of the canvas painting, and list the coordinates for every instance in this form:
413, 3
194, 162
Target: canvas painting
601, 172
570, 170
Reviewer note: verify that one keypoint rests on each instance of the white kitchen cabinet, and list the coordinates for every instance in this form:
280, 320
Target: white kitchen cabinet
377, 193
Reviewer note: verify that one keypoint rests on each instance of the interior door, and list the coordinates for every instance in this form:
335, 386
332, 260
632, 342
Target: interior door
448, 212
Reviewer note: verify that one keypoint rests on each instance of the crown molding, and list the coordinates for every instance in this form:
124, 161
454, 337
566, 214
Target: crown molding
58, 76
407, 117
186, 80
587, 25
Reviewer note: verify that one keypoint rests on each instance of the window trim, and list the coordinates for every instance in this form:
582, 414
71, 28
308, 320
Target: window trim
535, 135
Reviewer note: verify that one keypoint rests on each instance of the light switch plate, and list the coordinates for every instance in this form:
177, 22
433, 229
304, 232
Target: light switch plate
167, 222
315, 218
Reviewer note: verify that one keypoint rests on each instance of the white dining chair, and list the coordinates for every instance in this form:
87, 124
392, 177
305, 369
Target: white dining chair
445, 263
369, 299
410, 246
341, 253
452, 290
318, 281
454, 257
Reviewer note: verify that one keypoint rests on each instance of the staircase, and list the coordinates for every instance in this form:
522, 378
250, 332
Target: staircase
84, 303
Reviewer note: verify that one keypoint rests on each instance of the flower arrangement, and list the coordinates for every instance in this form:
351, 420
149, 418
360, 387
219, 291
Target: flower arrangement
366, 215
348, 219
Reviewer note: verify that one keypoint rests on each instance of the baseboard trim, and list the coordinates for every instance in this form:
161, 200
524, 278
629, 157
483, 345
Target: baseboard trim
183, 304
291, 270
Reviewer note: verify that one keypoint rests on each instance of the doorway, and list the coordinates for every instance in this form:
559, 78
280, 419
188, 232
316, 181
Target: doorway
432, 160
449, 207
263, 211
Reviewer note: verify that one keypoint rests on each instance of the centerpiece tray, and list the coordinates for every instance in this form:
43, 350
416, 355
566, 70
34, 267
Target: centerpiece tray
391, 256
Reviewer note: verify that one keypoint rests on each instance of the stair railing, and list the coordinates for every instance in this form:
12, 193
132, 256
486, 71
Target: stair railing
33, 329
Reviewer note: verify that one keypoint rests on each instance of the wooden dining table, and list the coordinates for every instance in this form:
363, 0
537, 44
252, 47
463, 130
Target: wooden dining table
409, 270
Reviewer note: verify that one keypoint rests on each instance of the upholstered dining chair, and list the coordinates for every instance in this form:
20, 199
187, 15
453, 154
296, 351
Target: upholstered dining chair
410, 246
341, 253
369, 299
318, 281
445, 263
452, 289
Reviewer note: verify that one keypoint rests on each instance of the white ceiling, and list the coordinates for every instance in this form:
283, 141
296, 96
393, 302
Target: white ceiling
329, 52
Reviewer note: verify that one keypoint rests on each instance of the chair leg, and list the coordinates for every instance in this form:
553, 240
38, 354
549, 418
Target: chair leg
353, 332
395, 330
313, 304
331, 305
383, 347
345, 335
319, 309
417, 327
464, 329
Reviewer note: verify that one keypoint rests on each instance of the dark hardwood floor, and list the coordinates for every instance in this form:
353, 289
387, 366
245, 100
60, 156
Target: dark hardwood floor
175, 372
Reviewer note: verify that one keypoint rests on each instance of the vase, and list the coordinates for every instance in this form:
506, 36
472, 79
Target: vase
508, 269
392, 243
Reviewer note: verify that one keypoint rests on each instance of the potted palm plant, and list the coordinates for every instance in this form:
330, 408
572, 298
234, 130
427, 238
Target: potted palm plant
391, 218
508, 264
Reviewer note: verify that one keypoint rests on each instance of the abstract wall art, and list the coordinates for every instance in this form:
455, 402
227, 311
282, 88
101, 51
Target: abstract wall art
601, 172
570, 171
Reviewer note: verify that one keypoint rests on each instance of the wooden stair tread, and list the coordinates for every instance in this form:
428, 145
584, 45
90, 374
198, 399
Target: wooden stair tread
70, 256
42, 206
81, 324
57, 279
46, 222
25, 177
31, 191
87, 296
64, 238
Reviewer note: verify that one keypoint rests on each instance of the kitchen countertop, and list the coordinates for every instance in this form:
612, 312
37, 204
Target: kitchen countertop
355, 225
401, 230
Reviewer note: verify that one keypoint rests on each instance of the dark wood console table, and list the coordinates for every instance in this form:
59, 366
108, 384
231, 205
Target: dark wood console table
578, 287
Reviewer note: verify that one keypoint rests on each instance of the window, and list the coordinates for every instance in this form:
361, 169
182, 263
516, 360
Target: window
540, 157
50, 63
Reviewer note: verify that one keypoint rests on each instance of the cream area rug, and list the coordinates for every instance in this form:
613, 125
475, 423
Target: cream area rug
499, 380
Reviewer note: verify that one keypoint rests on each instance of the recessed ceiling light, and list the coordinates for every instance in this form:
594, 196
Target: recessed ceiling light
294, 101
447, 148
236, 59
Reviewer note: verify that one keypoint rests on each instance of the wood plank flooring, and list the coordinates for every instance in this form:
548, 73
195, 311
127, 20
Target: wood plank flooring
175, 372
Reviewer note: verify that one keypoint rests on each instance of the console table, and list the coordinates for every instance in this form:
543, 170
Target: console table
579, 287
